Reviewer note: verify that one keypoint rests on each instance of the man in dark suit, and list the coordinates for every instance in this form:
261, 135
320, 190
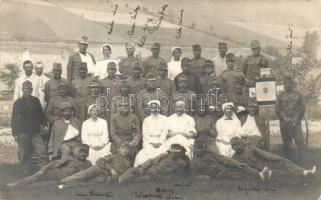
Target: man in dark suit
28, 123
82, 56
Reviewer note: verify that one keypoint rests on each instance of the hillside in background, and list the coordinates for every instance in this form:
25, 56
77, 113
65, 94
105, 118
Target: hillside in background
205, 22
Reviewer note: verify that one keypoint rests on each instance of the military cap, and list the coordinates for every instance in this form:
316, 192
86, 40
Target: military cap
230, 56
196, 46
56, 66
62, 83
209, 63
255, 44
155, 45
163, 66
83, 39
182, 76
235, 139
27, 84
94, 83
83, 65
65, 105
252, 102
111, 65
185, 61
150, 76
177, 148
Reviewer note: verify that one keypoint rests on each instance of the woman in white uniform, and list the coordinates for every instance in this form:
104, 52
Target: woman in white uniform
95, 134
228, 126
154, 134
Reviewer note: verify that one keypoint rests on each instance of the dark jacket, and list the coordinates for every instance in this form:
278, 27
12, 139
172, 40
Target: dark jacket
194, 83
27, 116
73, 65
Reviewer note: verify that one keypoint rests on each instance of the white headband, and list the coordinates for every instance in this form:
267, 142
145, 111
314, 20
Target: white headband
227, 104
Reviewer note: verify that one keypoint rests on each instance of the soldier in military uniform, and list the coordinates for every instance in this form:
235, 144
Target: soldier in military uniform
151, 92
204, 123
110, 84
51, 86
65, 134
215, 98
290, 109
126, 64
253, 63
135, 80
198, 62
79, 86
151, 63
204, 78
165, 83
260, 159
167, 166
125, 96
125, 128
228, 75
95, 97
193, 80
81, 56
53, 112
57, 169
185, 95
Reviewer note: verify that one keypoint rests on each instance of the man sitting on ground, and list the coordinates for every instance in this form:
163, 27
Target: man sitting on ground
58, 169
166, 166
260, 159
107, 168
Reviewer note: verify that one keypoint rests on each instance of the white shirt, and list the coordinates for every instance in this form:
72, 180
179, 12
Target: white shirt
95, 133
90, 63
18, 86
174, 68
183, 123
41, 81
154, 129
250, 128
227, 129
101, 68
220, 64
71, 132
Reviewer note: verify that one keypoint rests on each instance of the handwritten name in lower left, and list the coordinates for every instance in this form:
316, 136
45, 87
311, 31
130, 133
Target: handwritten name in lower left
92, 193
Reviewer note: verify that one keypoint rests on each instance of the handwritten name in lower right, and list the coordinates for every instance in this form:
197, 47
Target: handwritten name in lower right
247, 189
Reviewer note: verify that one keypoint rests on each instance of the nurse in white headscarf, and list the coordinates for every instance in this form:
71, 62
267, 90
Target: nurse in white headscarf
101, 66
181, 130
94, 133
154, 134
228, 126
174, 66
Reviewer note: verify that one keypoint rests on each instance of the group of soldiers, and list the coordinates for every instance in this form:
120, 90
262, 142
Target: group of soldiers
150, 120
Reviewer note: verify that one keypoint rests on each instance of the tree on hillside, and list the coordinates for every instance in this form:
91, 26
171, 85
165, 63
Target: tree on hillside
311, 44
10, 74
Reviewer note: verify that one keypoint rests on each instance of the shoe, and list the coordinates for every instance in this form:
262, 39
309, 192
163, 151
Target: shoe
314, 170
270, 175
262, 176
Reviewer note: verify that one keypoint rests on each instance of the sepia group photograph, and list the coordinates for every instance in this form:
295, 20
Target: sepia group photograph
160, 99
